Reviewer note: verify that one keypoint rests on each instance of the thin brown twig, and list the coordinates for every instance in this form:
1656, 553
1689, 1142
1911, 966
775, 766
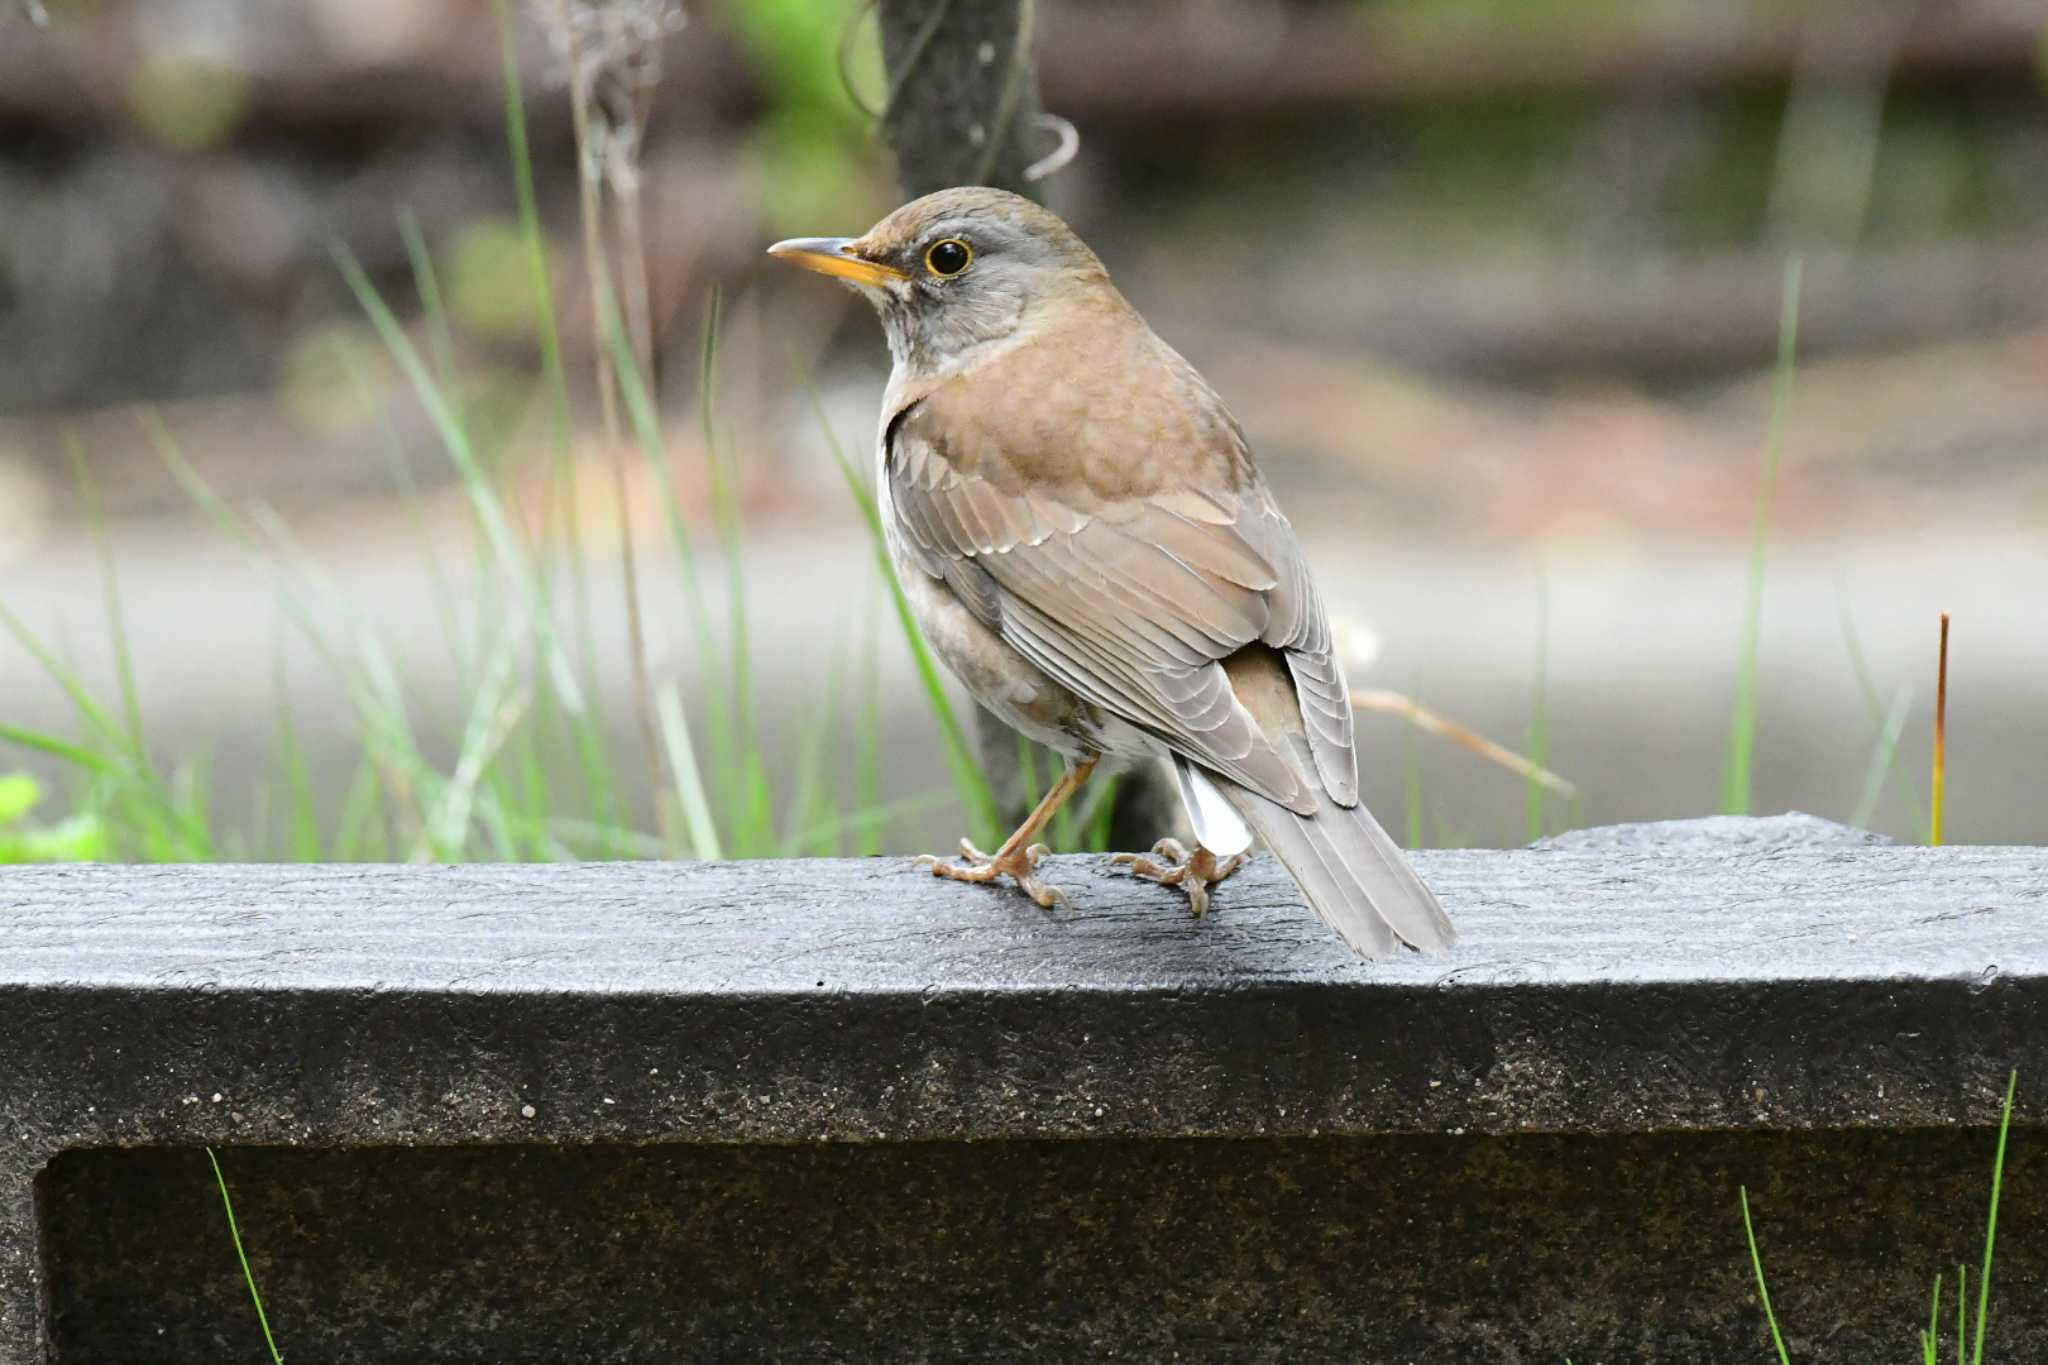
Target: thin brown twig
589, 169
623, 176
1420, 716
589, 188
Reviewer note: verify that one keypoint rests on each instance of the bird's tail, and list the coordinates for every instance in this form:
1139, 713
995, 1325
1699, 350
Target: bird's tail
1353, 875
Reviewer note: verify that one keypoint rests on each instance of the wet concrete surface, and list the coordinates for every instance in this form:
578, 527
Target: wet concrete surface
837, 1109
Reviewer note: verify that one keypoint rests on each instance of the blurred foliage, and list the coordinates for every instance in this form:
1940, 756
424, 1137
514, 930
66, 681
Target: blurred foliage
494, 401
1932, 179
335, 377
488, 279
80, 839
1563, 174
188, 102
813, 148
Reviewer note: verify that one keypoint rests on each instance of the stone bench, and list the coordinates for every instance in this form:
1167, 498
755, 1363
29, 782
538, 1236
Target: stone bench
805, 1111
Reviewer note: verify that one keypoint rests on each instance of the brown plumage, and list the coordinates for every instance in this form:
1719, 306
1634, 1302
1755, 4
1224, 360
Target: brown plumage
1087, 543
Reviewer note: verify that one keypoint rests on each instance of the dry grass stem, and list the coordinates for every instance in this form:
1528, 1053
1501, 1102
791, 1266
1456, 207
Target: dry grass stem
1420, 716
611, 55
1940, 739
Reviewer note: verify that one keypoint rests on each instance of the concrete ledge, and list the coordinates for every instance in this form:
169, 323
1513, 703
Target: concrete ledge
1755, 979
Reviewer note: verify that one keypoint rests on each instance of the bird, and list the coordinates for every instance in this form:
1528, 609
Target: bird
1084, 539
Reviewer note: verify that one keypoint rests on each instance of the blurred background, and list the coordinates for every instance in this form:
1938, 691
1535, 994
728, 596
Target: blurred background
311, 532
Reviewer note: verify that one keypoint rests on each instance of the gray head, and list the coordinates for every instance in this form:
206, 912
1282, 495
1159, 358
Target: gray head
956, 270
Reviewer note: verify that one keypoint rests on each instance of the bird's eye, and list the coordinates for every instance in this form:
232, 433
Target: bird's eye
948, 257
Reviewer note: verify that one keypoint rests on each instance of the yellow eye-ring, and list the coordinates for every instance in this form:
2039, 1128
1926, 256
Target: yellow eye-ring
948, 257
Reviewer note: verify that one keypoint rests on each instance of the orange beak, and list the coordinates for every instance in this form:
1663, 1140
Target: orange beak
837, 256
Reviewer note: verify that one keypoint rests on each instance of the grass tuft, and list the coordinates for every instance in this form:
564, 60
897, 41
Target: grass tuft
527, 768
1929, 1338
2012, 1086
976, 797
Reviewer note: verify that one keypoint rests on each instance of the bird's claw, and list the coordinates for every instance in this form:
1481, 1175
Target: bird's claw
1193, 872
1019, 864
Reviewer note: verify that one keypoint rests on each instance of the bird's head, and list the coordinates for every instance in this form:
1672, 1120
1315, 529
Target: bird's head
957, 270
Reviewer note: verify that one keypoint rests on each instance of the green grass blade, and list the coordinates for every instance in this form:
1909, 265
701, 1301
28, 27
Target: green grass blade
148, 799
1763, 1290
1881, 759
2012, 1086
454, 436
110, 589
548, 329
302, 820
371, 681
755, 802
192, 786
427, 283
682, 764
871, 818
1932, 1335
583, 722
95, 715
1103, 815
868, 766
550, 337
819, 721
1742, 729
358, 830
604, 840
250, 843
410, 507
725, 750
492, 717
1873, 705
369, 673
76, 754
248, 1276
978, 802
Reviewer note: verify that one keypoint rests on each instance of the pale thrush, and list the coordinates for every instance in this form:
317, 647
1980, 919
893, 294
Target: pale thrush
1085, 541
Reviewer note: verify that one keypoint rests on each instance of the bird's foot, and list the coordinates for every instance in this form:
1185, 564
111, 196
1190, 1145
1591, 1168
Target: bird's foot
1193, 872
1019, 863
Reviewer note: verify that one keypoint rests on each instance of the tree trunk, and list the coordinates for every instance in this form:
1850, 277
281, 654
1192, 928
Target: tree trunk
963, 103
963, 110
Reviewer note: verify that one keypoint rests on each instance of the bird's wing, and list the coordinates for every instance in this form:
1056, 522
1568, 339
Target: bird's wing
1134, 602
1301, 631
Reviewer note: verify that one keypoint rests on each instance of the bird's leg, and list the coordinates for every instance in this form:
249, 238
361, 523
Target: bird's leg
1018, 857
1193, 872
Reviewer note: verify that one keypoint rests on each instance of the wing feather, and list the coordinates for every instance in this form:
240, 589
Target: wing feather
1134, 602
